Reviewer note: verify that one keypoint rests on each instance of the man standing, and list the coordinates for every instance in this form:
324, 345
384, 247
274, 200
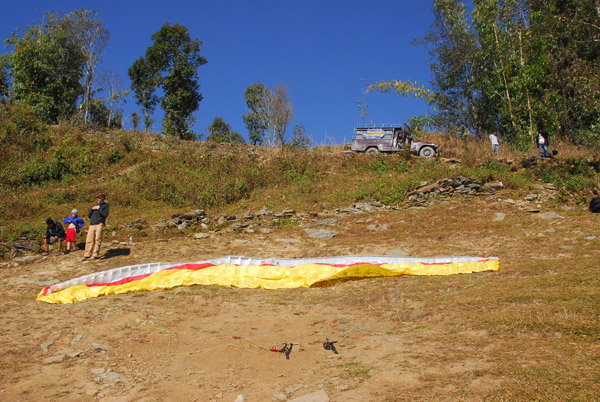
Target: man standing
542, 143
495, 143
98, 214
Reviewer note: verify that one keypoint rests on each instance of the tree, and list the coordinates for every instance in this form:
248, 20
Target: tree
102, 116
222, 132
92, 36
4, 77
135, 120
47, 65
257, 120
144, 81
112, 84
452, 66
171, 62
280, 113
300, 139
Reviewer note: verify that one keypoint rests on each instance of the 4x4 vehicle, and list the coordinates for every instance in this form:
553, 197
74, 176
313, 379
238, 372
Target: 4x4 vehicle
389, 138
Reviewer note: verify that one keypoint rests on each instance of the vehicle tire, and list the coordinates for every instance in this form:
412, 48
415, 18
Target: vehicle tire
372, 150
427, 152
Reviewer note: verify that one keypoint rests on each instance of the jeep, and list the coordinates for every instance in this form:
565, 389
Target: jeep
390, 138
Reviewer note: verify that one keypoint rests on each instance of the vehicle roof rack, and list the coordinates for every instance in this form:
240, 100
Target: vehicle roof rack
379, 126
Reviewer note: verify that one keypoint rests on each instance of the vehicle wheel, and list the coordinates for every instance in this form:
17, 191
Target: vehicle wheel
426, 152
372, 150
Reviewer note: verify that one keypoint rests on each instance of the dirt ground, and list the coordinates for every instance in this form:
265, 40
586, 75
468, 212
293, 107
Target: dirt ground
507, 335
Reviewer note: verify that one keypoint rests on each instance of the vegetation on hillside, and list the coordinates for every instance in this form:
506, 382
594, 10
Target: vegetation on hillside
47, 170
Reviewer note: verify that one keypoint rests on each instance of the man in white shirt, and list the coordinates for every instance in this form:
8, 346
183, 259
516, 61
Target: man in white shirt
495, 143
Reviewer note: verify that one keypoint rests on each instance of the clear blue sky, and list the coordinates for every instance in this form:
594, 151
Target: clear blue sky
325, 52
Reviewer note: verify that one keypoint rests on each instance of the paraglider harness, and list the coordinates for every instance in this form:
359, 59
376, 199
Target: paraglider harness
286, 350
328, 345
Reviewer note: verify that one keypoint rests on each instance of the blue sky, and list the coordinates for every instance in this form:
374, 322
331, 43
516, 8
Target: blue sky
325, 52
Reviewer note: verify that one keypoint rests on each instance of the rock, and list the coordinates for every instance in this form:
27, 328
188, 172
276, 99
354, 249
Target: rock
532, 210
96, 347
377, 227
499, 217
509, 201
265, 230
295, 388
23, 245
326, 222
77, 339
397, 252
46, 345
182, 225
249, 215
160, 225
55, 359
550, 215
26, 258
590, 237
280, 397
493, 186
199, 236
321, 233
110, 377
236, 227
551, 230
231, 217
264, 212
240, 398
531, 197
319, 396
97, 370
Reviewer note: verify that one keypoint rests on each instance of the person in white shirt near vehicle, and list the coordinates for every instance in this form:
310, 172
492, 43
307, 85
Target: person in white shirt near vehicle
495, 143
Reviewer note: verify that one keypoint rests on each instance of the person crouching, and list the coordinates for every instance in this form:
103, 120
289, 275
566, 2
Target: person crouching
54, 234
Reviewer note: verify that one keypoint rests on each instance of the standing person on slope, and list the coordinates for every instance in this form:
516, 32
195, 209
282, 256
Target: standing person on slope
495, 143
98, 214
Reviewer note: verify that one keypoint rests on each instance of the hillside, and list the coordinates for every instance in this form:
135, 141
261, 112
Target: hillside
527, 332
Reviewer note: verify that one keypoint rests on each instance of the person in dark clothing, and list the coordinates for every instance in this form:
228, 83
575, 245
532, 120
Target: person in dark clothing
542, 143
98, 214
55, 233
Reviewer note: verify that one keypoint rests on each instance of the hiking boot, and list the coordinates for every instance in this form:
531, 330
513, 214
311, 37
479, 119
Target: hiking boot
45, 253
85, 259
57, 252
67, 252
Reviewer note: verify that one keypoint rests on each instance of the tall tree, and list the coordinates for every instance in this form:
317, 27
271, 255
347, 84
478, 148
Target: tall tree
452, 65
257, 119
300, 139
172, 62
112, 85
280, 113
4, 77
92, 36
47, 66
222, 132
144, 81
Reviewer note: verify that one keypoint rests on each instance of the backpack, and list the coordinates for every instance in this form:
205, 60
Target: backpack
595, 205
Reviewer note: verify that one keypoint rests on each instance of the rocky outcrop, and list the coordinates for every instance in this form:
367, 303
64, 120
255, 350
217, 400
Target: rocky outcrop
426, 193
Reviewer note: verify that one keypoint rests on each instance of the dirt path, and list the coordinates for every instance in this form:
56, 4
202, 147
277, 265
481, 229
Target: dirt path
406, 338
